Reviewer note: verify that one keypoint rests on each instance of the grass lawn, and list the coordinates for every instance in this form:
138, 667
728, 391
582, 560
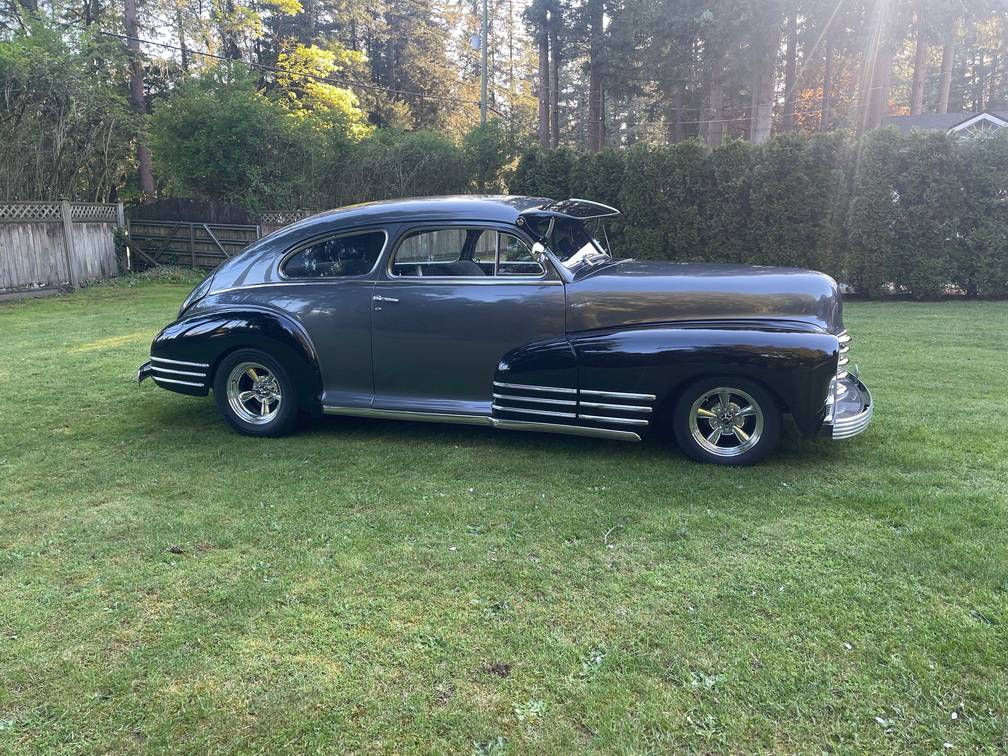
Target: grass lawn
167, 584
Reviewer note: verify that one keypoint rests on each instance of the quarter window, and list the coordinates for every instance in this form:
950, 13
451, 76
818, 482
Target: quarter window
464, 253
337, 257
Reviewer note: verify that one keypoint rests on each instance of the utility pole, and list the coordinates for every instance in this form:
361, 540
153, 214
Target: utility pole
483, 66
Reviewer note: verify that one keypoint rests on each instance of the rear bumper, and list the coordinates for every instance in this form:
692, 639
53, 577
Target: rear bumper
850, 412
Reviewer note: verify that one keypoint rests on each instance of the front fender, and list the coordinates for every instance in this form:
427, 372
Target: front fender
794, 362
205, 338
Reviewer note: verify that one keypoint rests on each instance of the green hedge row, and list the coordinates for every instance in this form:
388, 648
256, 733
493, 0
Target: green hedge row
923, 215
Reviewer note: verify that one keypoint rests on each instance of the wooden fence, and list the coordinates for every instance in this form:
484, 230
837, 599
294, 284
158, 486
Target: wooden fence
52, 245
190, 243
158, 234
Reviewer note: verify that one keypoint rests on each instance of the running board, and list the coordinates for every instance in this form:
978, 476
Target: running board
494, 422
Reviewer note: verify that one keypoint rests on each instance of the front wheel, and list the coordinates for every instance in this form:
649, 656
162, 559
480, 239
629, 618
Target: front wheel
254, 394
727, 421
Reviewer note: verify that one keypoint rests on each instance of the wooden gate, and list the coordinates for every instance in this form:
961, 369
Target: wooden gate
199, 245
196, 233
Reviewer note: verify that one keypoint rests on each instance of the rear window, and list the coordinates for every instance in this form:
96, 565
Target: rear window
336, 256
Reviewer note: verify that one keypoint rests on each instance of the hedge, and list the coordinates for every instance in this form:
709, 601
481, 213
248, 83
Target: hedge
923, 215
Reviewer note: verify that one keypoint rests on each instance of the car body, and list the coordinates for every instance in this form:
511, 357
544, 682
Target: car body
506, 311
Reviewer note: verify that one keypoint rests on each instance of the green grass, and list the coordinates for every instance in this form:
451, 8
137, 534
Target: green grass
167, 584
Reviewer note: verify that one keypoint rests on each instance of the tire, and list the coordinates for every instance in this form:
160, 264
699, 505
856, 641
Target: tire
702, 420
259, 378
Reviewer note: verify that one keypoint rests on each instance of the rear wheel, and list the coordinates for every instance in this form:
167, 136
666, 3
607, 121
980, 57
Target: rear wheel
254, 394
727, 421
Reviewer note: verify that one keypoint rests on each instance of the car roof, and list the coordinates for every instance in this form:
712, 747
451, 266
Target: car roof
486, 207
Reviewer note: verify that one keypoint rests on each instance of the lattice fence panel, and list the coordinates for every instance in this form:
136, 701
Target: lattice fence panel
29, 212
91, 212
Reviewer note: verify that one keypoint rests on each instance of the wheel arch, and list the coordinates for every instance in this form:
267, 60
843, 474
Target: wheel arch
211, 336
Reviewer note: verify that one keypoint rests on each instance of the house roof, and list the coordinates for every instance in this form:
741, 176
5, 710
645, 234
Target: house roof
936, 121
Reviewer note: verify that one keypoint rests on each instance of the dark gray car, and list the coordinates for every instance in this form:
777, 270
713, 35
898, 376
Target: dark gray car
506, 311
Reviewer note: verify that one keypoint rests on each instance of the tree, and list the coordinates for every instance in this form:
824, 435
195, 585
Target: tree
144, 170
920, 60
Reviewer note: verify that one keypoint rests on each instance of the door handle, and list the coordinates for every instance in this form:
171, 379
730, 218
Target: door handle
379, 298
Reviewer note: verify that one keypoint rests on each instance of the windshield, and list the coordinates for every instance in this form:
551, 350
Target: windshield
574, 246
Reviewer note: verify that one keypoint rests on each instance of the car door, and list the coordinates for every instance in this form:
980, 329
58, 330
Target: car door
451, 302
326, 283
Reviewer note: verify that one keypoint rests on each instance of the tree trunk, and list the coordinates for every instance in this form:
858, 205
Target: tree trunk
554, 78
596, 45
948, 61
920, 62
144, 170
827, 87
875, 76
675, 117
711, 121
182, 40
790, 77
763, 88
992, 81
544, 82
228, 41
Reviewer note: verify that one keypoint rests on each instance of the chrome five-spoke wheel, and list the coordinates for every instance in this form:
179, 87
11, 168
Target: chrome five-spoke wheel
254, 393
726, 422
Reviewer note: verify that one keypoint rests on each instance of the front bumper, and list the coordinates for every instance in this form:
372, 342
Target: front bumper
145, 372
849, 410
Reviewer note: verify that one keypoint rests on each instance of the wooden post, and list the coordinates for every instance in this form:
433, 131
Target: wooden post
192, 245
121, 225
68, 248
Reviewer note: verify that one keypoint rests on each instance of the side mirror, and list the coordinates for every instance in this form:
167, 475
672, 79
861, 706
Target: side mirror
539, 252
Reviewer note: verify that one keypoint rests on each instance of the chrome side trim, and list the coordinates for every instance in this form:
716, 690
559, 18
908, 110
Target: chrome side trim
386, 414
626, 407
616, 420
179, 362
494, 422
177, 372
535, 400
159, 379
499, 408
527, 387
569, 430
618, 395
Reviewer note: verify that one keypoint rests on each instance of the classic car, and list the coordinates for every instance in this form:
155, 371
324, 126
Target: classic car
511, 312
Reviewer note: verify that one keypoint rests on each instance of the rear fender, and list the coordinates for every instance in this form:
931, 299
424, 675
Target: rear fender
206, 338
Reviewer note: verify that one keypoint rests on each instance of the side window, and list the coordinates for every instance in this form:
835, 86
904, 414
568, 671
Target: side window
336, 257
464, 253
516, 258
442, 252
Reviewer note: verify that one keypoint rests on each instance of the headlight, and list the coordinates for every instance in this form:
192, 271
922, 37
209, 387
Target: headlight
196, 294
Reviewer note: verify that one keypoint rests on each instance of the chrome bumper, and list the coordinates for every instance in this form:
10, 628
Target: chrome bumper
145, 372
850, 410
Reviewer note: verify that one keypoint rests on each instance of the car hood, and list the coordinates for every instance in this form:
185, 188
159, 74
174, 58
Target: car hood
639, 291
